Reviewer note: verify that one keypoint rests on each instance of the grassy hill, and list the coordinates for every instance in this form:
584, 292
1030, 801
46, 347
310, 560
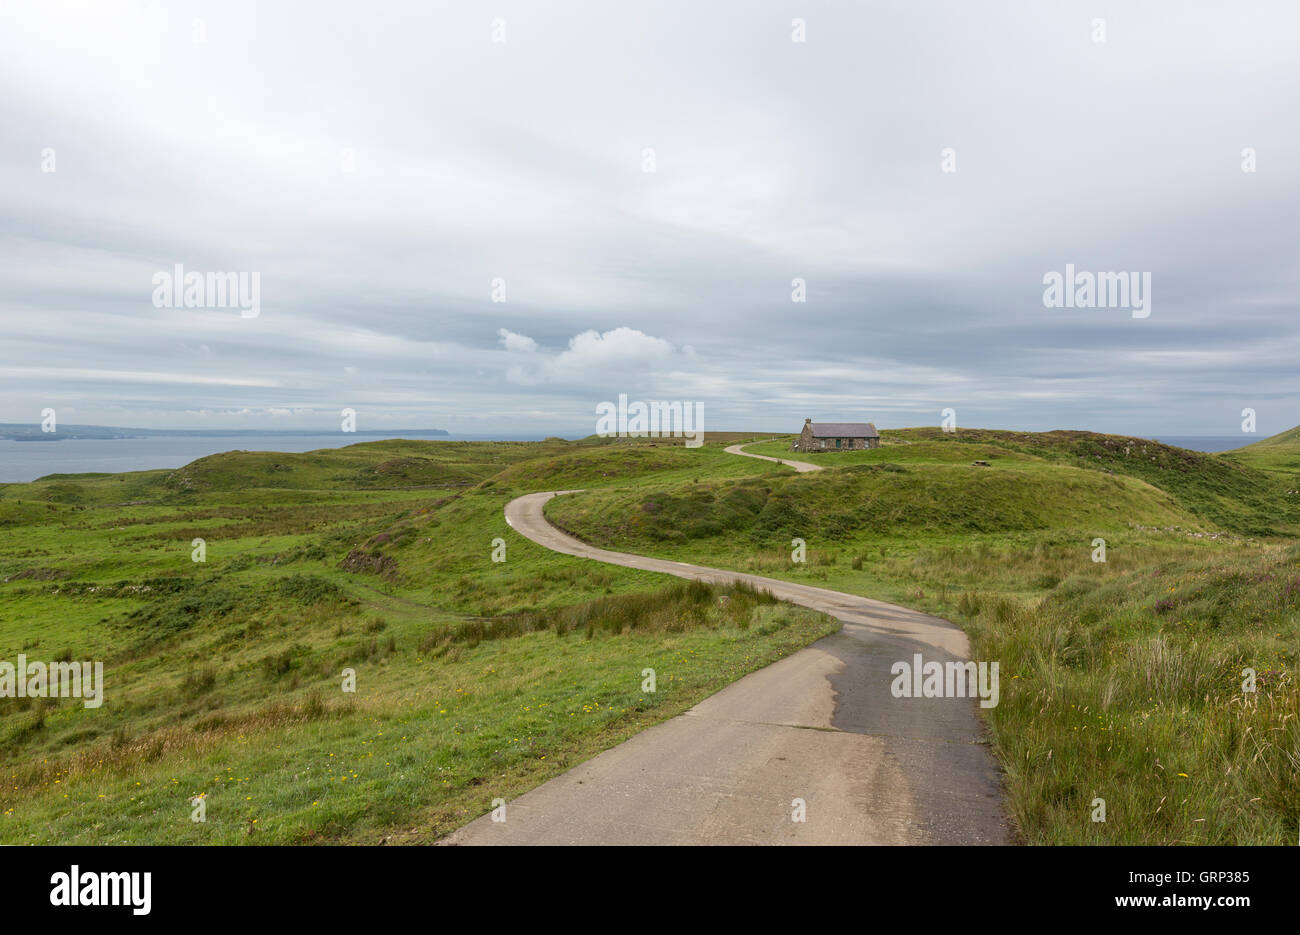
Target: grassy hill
1122, 678
1279, 453
1224, 490
921, 494
475, 679
478, 678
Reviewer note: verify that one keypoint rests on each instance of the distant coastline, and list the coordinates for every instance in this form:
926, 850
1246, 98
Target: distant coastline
32, 432
167, 450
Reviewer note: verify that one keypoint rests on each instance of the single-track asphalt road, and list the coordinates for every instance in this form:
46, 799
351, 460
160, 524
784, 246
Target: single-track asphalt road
819, 726
803, 467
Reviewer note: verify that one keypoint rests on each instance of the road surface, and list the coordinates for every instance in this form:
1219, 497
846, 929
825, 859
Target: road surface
819, 726
803, 467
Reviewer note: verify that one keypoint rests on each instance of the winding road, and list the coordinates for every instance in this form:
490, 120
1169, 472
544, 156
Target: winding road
803, 467
819, 727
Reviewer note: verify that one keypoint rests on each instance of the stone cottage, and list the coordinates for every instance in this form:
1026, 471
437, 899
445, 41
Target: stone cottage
837, 436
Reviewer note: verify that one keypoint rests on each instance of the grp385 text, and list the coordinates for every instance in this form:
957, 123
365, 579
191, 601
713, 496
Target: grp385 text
1160, 878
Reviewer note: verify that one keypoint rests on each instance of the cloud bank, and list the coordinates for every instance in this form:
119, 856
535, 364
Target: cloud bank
461, 233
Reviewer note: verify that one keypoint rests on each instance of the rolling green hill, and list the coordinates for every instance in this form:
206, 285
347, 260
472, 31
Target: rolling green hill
865, 502
1280, 453
1224, 490
480, 678
474, 678
1124, 675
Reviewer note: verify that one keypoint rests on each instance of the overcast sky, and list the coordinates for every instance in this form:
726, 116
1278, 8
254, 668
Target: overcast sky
524, 160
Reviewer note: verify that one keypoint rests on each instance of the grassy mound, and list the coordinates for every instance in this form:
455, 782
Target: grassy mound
619, 462
1280, 452
866, 501
594, 465
1218, 489
367, 465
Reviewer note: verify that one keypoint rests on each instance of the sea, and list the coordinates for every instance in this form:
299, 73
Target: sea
25, 461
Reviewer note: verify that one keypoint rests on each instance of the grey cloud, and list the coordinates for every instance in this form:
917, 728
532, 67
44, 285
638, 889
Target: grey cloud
774, 161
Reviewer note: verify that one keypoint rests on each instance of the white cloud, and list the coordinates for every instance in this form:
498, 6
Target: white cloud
516, 342
622, 346
623, 353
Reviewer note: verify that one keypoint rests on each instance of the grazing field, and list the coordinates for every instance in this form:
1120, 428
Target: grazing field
478, 679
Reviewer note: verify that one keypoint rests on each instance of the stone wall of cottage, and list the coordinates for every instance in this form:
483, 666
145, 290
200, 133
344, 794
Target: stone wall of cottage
808, 443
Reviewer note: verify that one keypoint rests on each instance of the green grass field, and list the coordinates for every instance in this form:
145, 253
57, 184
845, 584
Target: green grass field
475, 679
478, 679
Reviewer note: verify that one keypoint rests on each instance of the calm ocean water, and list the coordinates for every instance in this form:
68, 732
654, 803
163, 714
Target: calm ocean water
26, 461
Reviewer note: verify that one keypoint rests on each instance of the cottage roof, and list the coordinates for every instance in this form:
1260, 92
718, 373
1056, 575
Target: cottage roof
844, 430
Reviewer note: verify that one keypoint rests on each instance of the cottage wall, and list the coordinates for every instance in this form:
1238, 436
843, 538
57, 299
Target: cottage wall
807, 442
